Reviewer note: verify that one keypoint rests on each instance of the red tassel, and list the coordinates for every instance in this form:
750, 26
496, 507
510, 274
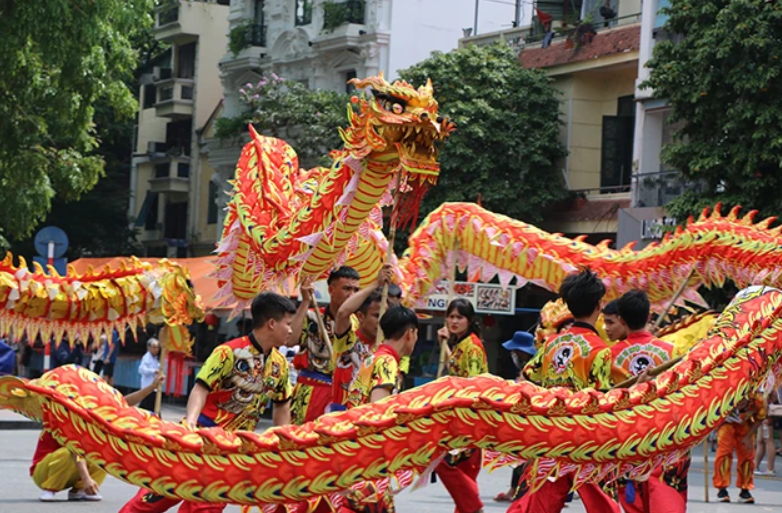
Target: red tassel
177, 370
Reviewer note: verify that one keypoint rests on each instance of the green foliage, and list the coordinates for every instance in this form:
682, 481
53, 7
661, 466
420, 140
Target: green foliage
506, 146
722, 79
239, 38
336, 14
304, 118
59, 59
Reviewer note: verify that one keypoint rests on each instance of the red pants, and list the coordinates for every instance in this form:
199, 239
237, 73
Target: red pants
461, 482
654, 496
310, 399
147, 502
550, 498
730, 437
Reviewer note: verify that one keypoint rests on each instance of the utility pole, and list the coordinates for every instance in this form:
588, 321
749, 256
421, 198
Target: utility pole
475, 26
517, 19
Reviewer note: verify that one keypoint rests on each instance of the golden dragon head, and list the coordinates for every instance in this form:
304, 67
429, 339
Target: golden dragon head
398, 124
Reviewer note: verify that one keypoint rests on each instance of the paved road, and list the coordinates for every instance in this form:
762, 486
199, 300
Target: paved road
18, 494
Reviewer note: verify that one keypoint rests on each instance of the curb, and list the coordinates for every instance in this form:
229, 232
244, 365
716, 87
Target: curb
8, 425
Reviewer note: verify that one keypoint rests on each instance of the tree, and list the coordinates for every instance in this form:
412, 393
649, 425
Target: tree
722, 78
506, 145
304, 118
59, 59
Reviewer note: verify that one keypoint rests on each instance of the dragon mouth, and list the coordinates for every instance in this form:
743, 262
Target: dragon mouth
415, 144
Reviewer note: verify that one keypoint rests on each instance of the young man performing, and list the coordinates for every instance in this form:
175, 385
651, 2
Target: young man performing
353, 345
615, 330
55, 468
664, 491
377, 379
577, 358
249, 366
313, 392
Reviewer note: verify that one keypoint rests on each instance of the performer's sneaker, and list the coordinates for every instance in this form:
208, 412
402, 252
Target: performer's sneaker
81, 495
48, 496
723, 496
746, 497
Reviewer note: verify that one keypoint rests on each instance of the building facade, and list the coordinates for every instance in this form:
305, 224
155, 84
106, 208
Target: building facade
325, 43
180, 96
590, 49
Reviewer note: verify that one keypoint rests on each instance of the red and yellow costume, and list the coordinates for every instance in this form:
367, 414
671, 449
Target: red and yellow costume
313, 392
731, 436
666, 490
241, 380
350, 353
54, 468
459, 473
577, 358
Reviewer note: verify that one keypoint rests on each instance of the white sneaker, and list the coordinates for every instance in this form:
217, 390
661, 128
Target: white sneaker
48, 496
767, 473
81, 495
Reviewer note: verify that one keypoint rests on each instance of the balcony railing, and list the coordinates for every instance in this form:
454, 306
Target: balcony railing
175, 89
257, 35
659, 188
336, 14
168, 14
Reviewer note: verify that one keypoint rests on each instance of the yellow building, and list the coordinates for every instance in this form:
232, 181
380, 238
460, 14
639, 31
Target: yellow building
594, 65
173, 198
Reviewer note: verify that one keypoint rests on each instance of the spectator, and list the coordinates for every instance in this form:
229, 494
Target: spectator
64, 354
765, 446
97, 355
7, 358
148, 369
110, 358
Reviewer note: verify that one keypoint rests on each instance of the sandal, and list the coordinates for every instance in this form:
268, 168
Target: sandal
503, 497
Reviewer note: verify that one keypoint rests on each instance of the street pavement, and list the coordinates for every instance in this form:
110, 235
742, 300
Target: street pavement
18, 494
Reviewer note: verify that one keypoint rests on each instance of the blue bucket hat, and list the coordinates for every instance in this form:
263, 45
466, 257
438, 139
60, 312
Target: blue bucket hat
521, 341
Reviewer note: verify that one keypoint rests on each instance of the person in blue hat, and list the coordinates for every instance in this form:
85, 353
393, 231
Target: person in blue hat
522, 349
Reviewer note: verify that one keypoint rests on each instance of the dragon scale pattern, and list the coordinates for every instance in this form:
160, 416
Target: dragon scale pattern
587, 432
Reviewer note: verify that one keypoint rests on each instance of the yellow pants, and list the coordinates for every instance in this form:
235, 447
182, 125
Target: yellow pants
58, 472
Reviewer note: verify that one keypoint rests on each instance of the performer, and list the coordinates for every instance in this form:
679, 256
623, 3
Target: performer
55, 468
577, 358
666, 490
615, 330
522, 349
353, 346
315, 363
738, 433
466, 358
245, 368
377, 379
148, 369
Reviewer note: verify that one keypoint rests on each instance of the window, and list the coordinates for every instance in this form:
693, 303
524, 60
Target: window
186, 61
616, 151
162, 170
151, 215
175, 222
303, 12
150, 96
179, 136
350, 88
211, 208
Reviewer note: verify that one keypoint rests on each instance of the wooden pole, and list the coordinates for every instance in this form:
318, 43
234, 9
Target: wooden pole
706, 468
163, 340
322, 327
389, 252
451, 293
675, 297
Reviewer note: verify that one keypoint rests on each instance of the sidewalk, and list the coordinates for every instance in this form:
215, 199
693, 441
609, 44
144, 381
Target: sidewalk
170, 412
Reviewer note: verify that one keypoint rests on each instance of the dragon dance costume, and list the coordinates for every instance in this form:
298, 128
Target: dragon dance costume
241, 380
666, 490
577, 358
730, 437
459, 473
351, 350
53, 468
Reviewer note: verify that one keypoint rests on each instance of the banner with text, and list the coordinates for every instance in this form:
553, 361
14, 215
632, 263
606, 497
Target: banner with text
486, 298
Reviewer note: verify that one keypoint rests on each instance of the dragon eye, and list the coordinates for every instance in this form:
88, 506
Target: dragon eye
398, 109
